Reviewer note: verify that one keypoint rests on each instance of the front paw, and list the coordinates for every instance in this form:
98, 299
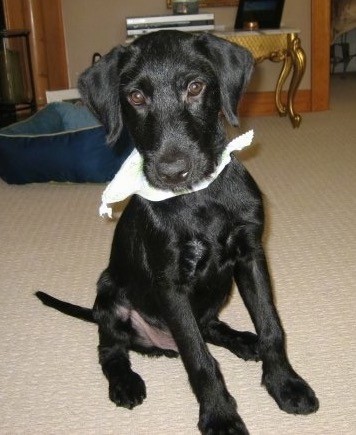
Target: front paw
127, 391
291, 392
211, 424
246, 346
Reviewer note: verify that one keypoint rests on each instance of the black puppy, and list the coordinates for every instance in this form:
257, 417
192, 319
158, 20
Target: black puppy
173, 262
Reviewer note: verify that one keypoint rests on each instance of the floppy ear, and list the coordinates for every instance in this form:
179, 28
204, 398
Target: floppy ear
234, 65
99, 88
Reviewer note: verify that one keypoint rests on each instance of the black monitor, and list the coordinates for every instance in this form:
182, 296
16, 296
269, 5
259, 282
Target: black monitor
267, 13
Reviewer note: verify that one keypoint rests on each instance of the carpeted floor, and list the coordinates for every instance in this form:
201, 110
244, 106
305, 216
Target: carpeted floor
52, 238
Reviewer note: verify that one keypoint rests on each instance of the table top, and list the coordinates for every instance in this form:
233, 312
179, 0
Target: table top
222, 31
261, 32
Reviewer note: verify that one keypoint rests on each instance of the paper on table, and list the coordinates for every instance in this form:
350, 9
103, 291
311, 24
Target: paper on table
131, 180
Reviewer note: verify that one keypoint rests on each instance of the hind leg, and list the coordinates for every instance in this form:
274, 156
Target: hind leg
126, 388
242, 344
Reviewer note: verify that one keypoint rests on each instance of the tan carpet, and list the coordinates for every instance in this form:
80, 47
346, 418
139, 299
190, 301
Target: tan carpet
51, 238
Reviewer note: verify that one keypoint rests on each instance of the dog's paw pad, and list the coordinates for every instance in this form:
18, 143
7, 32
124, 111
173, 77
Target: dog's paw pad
128, 391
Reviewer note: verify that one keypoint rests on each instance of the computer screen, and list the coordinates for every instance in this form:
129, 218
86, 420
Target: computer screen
267, 13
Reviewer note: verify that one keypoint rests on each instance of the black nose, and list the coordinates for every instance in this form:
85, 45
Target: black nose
173, 168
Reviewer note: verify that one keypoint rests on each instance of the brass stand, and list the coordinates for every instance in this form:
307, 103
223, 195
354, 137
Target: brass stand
294, 60
276, 46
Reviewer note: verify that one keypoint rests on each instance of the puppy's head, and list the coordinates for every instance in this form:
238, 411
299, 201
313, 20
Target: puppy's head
170, 88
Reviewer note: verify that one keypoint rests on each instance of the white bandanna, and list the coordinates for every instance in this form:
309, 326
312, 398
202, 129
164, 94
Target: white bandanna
131, 180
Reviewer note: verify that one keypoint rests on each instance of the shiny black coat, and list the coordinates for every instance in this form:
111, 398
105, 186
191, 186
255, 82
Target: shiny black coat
173, 262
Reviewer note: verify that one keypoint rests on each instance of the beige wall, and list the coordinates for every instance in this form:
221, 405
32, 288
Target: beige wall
97, 25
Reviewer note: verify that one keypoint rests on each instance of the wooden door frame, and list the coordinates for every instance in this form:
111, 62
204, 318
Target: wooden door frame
320, 54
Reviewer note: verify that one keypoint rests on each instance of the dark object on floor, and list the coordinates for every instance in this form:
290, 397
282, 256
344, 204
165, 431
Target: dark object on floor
340, 53
17, 89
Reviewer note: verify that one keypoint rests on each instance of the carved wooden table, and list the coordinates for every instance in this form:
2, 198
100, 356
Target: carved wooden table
281, 45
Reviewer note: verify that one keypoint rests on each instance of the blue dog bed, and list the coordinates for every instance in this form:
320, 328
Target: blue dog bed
61, 142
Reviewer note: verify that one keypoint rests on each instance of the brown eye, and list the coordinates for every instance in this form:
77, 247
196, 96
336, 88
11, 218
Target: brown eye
195, 88
137, 98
